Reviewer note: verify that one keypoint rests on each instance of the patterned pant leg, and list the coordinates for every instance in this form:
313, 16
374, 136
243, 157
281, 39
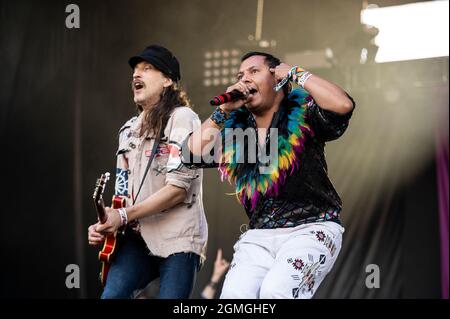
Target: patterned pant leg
302, 262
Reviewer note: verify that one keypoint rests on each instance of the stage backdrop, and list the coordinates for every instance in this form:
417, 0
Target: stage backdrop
65, 93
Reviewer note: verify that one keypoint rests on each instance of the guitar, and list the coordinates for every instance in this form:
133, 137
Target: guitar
109, 246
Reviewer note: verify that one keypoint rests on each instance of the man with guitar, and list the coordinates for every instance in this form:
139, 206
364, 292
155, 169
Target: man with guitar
158, 219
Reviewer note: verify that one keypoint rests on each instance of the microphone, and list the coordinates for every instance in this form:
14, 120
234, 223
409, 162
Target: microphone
229, 97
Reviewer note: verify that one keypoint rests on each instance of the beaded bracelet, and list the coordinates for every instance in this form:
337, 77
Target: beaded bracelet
219, 116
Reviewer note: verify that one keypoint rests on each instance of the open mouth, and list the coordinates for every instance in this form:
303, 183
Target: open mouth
252, 92
137, 85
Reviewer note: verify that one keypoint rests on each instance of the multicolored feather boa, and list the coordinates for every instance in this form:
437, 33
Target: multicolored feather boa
250, 184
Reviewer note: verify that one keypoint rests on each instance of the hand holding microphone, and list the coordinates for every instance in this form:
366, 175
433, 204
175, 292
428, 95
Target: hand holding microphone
234, 98
229, 97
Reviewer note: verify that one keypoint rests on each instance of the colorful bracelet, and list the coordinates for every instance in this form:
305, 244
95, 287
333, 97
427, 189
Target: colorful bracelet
219, 116
295, 74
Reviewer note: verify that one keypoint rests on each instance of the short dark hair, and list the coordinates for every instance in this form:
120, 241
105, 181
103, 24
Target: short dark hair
272, 62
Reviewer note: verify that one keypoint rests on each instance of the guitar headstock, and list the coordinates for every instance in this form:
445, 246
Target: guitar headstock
98, 196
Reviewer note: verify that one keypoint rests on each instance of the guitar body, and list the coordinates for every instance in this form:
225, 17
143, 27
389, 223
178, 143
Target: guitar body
109, 247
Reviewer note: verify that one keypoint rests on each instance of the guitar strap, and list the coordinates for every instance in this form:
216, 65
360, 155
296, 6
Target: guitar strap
149, 163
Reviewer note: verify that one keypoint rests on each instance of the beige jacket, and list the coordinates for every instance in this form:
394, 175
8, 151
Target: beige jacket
182, 228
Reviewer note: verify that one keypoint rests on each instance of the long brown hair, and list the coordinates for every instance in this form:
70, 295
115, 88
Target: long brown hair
158, 115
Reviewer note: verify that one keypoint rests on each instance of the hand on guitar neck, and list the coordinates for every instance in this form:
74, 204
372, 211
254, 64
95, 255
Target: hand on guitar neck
97, 231
111, 224
105, 230
108, 218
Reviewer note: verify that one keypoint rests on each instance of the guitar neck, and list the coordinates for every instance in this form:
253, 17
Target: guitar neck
101, 214
98, 197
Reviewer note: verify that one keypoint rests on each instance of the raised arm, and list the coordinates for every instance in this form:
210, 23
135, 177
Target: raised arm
326, 94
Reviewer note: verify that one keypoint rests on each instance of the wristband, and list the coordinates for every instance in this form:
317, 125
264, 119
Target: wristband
294, 73
302, 78
219, 116
285, 79
123, 216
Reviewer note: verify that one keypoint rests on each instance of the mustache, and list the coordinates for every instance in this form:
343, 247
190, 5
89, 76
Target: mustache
137, 84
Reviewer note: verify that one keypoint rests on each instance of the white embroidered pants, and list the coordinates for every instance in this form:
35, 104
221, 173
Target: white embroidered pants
287, 263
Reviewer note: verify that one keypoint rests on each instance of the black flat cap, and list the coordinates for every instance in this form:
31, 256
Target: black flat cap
161, 58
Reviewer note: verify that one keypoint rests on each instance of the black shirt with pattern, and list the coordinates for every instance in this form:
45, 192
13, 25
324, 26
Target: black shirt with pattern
307, 195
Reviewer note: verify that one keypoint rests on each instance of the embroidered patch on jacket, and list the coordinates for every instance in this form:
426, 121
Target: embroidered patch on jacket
161, 150
174, 161
121, 187
148, 153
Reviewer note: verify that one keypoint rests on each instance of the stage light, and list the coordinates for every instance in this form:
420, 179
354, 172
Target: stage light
219, 65
264, 44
